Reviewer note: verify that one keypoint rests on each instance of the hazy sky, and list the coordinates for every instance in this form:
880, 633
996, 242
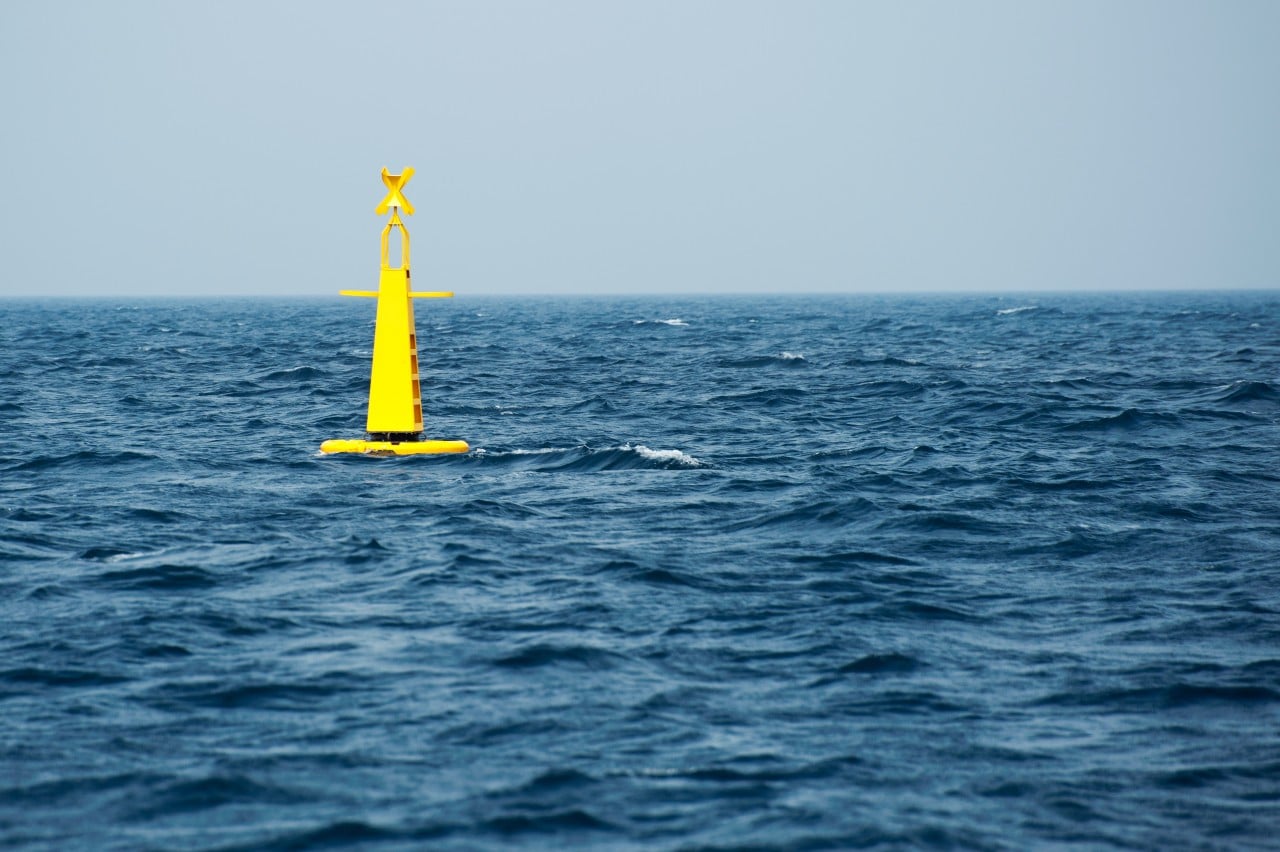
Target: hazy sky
627, 148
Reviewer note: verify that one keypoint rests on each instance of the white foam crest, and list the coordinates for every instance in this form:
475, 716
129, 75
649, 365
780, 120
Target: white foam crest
792, 356
128, 557
518, 452
677, 456
1004, 312
675, 321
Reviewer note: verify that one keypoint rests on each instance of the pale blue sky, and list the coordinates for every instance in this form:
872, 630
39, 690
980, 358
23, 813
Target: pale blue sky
626, 148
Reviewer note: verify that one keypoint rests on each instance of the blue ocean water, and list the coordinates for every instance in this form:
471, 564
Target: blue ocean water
795, 573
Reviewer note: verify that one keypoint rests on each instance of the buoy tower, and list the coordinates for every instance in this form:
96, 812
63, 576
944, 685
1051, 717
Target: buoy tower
394, 425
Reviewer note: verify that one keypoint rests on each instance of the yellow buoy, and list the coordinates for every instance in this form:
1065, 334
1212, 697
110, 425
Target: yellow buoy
394, 424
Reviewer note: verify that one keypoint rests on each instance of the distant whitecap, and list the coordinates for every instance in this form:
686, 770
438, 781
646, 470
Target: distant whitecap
675, 321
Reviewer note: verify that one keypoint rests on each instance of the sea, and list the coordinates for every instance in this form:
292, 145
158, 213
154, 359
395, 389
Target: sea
788, 572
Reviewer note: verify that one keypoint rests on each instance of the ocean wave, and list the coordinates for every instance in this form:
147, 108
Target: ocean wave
544, 654
882, 361
258, 695
594, 405
160, 578
1248, 392
88, 459
891, 663
188, 795
36, 676
1167, 697
890, 387
766, 398
852, 558
782, 359
810, 512
555, 822
766, 768
586, 459
336, 833
293, 374
1130, 419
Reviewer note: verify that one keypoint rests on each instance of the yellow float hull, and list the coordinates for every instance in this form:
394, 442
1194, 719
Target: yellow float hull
394, 448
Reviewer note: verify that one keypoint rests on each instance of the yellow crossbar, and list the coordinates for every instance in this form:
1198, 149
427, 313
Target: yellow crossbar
425, 294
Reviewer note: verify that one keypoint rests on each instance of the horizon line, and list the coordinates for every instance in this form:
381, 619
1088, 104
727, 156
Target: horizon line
264, 297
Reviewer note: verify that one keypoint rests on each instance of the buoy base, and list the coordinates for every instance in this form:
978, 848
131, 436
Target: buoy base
393, 448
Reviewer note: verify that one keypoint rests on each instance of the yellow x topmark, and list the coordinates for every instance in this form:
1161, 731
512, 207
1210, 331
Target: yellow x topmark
395, 198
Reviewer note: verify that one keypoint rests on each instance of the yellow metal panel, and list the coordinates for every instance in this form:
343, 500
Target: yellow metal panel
395, 403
